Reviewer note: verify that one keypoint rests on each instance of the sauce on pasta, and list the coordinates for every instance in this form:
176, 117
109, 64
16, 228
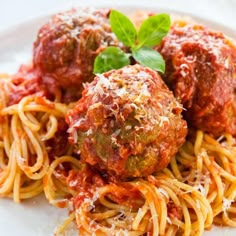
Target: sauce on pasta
51, 144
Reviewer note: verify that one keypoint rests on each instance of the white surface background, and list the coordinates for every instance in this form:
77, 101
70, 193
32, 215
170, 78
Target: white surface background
36, 217
15, 11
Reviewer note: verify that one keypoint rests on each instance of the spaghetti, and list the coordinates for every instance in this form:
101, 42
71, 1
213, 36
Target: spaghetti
196, 190
25, 129
150, 214
209, 166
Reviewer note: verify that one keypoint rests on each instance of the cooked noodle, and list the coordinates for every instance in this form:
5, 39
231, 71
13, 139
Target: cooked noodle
25, 128
195, 191
209, 166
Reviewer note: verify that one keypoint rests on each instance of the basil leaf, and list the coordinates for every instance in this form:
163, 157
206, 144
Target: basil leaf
123, 28
110, 58
149, 57
153, 30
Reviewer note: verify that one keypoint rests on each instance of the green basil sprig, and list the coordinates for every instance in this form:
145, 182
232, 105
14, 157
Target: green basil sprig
148, 57
150, 34
123, 28
110, 58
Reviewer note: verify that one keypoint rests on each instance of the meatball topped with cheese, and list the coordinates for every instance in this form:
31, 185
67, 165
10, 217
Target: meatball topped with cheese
68, 43
127, 123
201, 70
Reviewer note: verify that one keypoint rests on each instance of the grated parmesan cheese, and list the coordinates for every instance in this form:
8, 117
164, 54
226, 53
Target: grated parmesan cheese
226, 204
201, 189
163, 192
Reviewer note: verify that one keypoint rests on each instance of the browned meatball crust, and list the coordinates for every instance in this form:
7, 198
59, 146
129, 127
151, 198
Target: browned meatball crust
127, 123
201, 70
68, 43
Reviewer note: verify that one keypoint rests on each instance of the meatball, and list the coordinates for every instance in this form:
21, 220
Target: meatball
127, 123
201, 70
67, 45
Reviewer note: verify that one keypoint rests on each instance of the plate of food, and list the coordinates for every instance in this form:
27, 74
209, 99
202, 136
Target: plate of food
118, 121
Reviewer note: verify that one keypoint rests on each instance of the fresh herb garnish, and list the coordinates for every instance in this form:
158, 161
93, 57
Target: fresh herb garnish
123, 28
110, 58
140, 43
153, 30
148, 57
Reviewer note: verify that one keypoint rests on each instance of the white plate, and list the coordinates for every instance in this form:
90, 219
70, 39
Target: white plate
36, 216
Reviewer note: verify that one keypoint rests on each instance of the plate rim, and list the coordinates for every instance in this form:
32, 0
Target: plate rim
121, 6
16, 27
